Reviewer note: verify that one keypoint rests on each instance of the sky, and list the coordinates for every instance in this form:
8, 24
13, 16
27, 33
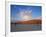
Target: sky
25, 12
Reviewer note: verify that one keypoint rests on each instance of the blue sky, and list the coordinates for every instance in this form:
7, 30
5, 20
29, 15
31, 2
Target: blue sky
16, 11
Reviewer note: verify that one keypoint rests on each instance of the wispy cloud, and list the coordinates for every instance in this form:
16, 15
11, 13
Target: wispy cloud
23, 13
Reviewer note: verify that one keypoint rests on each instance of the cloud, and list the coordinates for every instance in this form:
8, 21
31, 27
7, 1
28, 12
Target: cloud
23, 15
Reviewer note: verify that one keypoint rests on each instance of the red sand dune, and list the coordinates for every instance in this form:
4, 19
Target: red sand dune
30, 22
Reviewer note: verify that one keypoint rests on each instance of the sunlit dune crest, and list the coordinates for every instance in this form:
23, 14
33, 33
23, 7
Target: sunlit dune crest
26, 18
38, 18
